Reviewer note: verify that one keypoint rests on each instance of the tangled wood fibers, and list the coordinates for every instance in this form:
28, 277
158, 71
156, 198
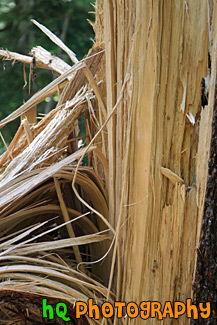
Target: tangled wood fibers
50, 240
137, 208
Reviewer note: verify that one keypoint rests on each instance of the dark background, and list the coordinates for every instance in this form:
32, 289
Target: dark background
67, 19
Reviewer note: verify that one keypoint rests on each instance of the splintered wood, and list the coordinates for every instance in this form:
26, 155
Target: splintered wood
158, 144
50, 240
139, 203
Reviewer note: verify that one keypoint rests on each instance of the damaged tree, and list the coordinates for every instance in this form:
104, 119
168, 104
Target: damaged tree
139, 204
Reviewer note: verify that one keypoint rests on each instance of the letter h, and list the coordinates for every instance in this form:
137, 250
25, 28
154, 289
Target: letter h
47, 309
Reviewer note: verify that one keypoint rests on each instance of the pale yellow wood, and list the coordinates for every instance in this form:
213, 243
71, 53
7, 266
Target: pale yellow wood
111, 97
66, 219
30, 115
157, 190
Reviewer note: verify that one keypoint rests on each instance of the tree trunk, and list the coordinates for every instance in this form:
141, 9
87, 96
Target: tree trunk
158, 142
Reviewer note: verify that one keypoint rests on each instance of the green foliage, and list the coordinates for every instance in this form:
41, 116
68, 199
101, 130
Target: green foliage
67, 19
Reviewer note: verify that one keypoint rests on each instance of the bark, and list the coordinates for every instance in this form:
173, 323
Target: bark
205, 285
